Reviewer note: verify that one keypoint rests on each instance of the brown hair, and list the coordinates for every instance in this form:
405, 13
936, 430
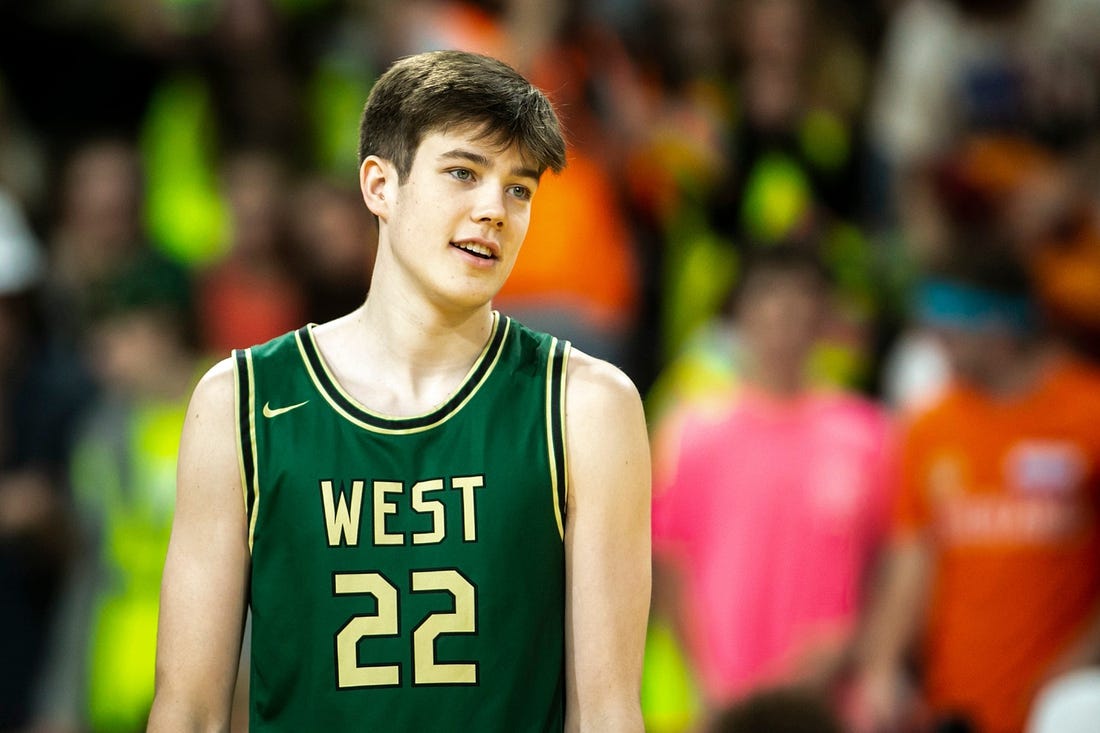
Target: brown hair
437, 90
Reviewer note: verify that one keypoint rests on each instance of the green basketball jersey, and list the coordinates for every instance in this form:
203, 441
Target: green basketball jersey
407, 573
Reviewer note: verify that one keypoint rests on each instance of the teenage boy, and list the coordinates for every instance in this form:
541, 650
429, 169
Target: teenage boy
444, 523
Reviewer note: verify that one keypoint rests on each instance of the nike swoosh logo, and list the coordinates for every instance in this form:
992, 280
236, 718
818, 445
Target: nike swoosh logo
269, 412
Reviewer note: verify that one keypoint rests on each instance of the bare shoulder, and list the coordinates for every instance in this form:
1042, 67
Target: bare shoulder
607, 551
606, 435
202, 598
210, 426
599, 390
216, 385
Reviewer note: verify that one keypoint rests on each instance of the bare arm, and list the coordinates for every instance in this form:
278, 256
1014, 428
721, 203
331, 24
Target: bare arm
206, 571
668, 596
895, 618
607, 554
668, 582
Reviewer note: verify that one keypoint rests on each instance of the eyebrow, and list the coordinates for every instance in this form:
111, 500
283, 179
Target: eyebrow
484, 162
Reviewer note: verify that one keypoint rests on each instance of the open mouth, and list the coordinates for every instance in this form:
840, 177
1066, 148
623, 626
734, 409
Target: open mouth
477, 250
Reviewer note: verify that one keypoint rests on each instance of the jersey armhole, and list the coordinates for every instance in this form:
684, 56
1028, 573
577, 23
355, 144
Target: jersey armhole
557, 367
245, 403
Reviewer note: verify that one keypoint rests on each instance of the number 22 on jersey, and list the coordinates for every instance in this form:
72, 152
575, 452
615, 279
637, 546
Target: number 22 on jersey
462, 619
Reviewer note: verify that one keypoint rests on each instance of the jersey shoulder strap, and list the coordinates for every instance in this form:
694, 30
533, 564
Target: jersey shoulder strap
279, 352
552, 356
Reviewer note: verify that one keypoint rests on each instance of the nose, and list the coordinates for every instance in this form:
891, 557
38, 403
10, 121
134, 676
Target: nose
489, 207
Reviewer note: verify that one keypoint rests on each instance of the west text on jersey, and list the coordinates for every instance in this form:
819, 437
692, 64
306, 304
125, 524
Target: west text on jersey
343, 510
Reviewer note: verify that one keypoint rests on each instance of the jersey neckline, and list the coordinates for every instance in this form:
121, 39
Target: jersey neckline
357, 413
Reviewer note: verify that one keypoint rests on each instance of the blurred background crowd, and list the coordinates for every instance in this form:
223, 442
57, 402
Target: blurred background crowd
848, 251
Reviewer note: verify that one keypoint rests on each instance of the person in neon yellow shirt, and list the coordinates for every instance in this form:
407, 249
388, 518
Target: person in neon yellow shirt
100, 676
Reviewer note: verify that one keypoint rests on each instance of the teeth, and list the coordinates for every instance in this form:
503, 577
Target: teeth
478, 249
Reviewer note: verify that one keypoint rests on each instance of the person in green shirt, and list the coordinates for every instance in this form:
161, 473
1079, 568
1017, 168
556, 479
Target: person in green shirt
438, 517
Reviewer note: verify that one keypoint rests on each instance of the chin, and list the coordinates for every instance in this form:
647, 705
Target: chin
465, 300
977, 378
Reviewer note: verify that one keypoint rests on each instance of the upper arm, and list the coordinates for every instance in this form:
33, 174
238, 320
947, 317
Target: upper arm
607, 545
206, 571
911, 511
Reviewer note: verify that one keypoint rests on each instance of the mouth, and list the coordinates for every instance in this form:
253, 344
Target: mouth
481, 250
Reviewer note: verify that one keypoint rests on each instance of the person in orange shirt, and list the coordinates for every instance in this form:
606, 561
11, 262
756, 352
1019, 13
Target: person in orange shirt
995, 564
251, 295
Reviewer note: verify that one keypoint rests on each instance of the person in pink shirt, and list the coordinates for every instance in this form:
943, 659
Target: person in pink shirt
769, 508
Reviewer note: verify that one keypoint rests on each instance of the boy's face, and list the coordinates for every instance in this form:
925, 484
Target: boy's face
978, 355
780, 316
124, 344
455, 226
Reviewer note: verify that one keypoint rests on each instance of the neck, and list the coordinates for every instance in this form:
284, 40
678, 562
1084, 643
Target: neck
1020, 374
402, 352
779, 381
415, 328
418, 336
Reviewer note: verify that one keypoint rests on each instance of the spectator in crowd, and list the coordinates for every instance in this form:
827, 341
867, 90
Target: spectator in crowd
43, 390
996, 539
1036, 196
141, 343
250, 296
1041, 195
783, 471
334, 247
793, 157
251, 67
786, 169
950, 68
98, 228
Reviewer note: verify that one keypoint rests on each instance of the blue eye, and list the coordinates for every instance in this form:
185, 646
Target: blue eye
461, 174
520, 192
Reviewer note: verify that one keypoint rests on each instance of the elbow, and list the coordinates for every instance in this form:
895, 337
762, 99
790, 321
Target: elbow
623, 715
172, 715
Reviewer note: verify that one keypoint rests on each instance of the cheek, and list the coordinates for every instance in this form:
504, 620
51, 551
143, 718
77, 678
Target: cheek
513, 240
778, 316
110, 355
521, 222
970, 352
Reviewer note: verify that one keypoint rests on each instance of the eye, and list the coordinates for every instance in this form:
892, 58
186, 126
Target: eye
520, 192
461, 174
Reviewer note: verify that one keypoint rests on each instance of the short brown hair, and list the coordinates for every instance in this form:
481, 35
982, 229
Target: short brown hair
437, 90
765, 261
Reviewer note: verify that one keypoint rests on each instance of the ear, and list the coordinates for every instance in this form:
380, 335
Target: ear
378, 183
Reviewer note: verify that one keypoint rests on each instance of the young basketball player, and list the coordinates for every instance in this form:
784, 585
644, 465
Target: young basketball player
438, 518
